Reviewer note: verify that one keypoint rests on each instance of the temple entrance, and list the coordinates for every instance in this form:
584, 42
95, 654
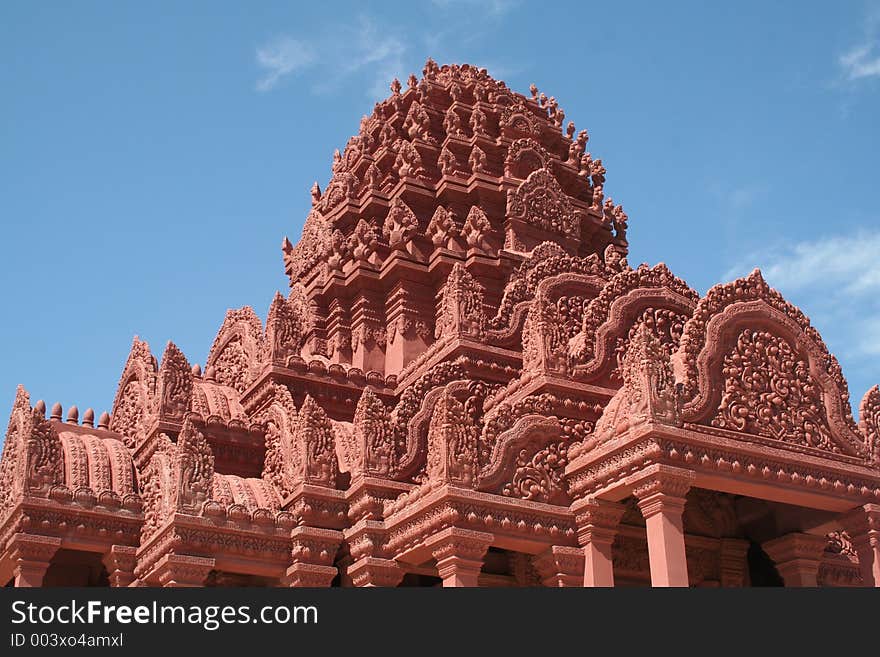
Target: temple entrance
76, 568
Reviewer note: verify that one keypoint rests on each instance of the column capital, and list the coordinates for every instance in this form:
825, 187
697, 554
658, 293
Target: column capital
33, 547
313, 551
31, 554
734, 553
373, 571
797, 557
120, 562
454, 541
178, 570
862, 520
659, 487
459, 554
301, 575
863, 526
597, 520
561, 566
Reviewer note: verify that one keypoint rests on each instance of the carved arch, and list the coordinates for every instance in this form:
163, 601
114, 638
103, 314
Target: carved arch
540, 202
751, 362
32, 462
174, 384
135, 404
647, 295
869, 423
554, 317
545, 261
234, 356
523, 157
528, 461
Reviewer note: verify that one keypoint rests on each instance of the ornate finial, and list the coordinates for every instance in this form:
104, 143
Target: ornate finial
89, 418
316, 189
286, 246
104, 420
56, 411
534, 91
73, 415
210, 373
412, 81
197, 370
395, 87
569, 130
40, 407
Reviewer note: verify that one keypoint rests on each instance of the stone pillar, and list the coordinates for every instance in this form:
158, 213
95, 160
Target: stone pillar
597, 522
120, 562
459, 554
409, 324
863, 526
797, 557
314, 551
368, 335
661, 492
561, 566
375, 571
734, 553
31, 555
177, 570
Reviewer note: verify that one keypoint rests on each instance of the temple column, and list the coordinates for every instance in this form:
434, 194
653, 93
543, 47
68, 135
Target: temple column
368, 334
733, 562
459, 554
661, 492
597, 522
177, 570
561, 566
863, 526
313, 552
409, 324
120, 562
797, 557
31, 556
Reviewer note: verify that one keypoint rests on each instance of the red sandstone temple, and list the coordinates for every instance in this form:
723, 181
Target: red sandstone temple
466, 385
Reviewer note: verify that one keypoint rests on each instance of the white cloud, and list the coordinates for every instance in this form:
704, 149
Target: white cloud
491, 7
836, 281
364, 53
281, 58
353, 48
849, 264
862, 61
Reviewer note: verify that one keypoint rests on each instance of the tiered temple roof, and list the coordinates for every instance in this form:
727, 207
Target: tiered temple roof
466, 383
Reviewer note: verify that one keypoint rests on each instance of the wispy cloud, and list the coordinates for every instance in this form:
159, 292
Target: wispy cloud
368, 55
862, 60
850, 264
280, 58
492, 7
355, 47
835, 280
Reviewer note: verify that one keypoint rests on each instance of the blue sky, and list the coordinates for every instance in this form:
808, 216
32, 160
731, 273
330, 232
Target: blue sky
152, 155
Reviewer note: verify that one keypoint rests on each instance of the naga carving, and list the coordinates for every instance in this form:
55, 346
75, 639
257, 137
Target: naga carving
175, 382
869, 423
648, 393
461, 309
